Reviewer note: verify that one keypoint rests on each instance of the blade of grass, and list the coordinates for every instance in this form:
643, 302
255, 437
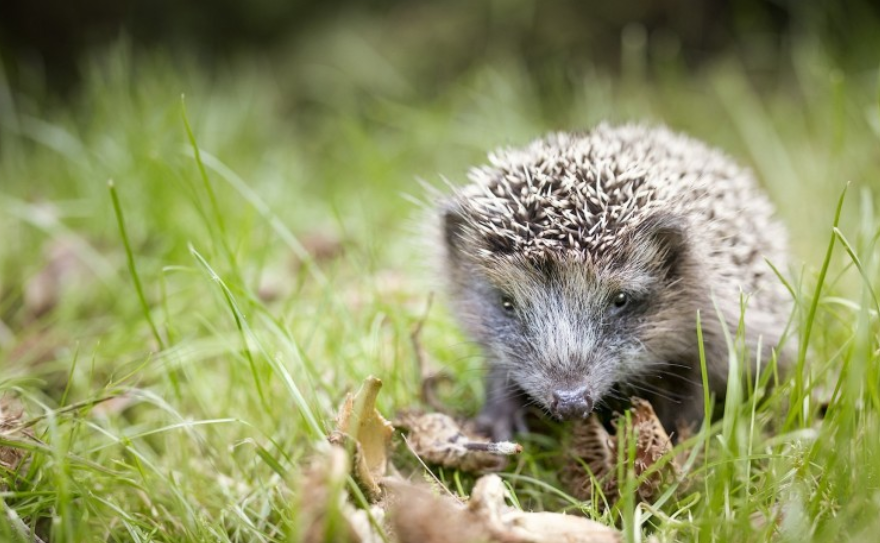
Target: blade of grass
206, 181
239, 324
858, 263
245, 332
132, 267
797, 415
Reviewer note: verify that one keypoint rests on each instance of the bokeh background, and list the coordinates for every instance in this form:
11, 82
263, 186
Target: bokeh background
491, 72
432, 43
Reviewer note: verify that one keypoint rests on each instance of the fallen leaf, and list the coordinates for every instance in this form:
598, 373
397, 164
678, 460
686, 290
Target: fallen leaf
593, 460
652, 444
363, 430
438, 439
422, 516
594, 454
511, 524
11, 431
324, 509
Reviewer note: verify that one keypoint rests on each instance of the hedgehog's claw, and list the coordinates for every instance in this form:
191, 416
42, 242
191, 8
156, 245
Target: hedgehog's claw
501, 419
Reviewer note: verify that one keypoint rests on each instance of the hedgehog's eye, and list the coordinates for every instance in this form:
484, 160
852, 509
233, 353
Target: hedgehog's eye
507, 304
620, 300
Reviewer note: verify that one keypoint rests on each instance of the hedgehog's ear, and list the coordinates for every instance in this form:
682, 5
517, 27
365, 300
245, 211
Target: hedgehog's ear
453, 228
662, 238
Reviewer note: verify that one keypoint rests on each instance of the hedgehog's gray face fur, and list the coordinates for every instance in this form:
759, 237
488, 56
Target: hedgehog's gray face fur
566, 323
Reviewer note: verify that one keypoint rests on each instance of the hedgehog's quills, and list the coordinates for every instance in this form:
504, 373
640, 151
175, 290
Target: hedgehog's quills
579, 264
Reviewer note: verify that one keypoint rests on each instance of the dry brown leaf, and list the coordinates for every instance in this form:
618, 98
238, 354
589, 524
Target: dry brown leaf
438, 439
421, 516
324, 508
683, 432
593, 459
652, 444
510, 524
418, 515
362, 429
12, 457
592, 446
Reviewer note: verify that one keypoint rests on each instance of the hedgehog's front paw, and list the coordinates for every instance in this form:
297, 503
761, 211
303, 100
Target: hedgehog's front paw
501, 420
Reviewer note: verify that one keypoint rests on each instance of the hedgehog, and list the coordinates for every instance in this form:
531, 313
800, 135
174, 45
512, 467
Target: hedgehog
580, 262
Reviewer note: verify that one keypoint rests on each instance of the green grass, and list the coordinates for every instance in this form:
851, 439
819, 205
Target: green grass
188, 289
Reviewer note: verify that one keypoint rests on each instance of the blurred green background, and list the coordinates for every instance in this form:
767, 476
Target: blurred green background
735, 73
433, 42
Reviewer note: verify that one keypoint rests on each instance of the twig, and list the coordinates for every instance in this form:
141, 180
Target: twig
428, 377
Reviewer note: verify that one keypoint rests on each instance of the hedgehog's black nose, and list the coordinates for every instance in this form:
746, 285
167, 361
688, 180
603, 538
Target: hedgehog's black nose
571, 404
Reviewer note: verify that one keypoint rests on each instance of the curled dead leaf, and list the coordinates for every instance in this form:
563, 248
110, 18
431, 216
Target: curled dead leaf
511, 524
439, 439
652, 444
418, 515
593, 460
422, 516
361, 429
324, 509
12, 457
594, 455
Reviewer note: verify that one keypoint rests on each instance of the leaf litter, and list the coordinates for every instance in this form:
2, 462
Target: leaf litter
592, 471
361, 429
12, 431
324, 508
404, 512
439, 439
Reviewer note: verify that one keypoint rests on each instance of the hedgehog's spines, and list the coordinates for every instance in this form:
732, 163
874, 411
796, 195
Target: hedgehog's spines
579, 194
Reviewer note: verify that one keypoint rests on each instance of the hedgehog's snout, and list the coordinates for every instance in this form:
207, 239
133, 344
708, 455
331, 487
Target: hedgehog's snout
571, 404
